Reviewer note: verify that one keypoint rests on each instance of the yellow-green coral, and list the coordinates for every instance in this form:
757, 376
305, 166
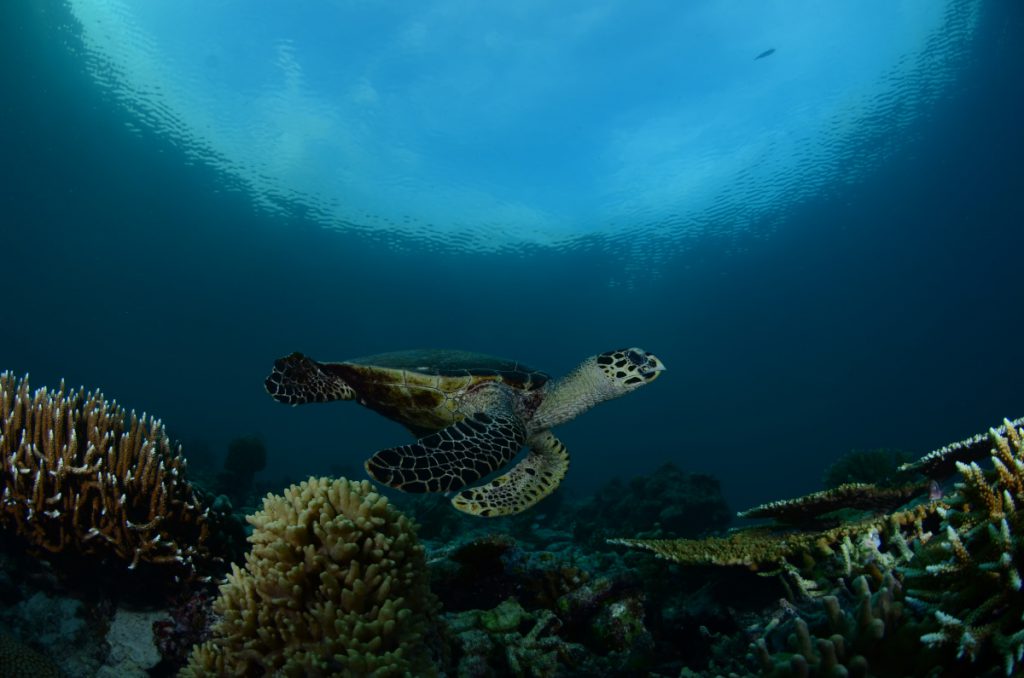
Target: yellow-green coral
336, 584
80, 475
21, 661
858, 496
762, 547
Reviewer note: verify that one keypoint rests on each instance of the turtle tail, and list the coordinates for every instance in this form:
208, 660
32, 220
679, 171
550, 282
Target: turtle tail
297, 379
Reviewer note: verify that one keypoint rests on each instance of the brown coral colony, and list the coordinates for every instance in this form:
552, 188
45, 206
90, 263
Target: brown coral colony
79, 475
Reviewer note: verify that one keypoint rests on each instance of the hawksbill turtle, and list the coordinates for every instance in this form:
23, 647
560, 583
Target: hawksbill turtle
471, 414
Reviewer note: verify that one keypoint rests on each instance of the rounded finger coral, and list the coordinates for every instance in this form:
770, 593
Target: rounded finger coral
336, 584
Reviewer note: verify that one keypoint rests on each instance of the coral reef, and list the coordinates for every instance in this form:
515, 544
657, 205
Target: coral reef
860, 579
76, 477
336, 584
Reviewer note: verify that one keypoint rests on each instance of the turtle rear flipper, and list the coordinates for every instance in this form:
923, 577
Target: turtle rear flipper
296, 380
529, 481
453, 457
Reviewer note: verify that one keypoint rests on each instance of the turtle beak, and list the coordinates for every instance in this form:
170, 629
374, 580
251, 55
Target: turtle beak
653, 368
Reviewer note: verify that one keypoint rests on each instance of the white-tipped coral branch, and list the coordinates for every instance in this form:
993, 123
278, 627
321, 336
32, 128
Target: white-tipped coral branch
72, 470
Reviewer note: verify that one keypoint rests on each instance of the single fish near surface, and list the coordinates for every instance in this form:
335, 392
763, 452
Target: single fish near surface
766, 53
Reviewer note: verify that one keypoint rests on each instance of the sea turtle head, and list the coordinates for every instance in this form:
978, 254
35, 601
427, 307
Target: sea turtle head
629, 368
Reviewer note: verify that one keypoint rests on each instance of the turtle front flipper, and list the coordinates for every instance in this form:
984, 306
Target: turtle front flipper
453, 457
297, 379
529, 481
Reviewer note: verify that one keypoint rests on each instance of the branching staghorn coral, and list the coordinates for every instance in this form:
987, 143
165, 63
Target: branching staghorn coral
336, 584
973, 577
79, 476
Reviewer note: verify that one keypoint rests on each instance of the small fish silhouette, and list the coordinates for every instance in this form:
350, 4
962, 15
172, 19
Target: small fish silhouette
766, 53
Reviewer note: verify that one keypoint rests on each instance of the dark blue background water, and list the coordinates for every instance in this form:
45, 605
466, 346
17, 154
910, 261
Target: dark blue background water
884, 313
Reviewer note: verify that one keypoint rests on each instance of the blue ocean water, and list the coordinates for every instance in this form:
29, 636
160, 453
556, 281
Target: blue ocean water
865, 295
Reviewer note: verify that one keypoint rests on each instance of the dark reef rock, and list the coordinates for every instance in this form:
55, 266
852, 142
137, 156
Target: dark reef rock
667, 503
191, 617
247, 456
877, 467
18, 660
510, 605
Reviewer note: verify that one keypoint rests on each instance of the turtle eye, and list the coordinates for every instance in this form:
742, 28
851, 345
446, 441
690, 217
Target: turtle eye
636, 358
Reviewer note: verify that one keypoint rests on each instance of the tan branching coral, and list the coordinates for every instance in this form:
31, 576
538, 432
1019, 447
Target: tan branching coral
79, 475
335, 584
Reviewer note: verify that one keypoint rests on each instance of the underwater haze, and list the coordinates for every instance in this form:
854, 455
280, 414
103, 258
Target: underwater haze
811, 212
